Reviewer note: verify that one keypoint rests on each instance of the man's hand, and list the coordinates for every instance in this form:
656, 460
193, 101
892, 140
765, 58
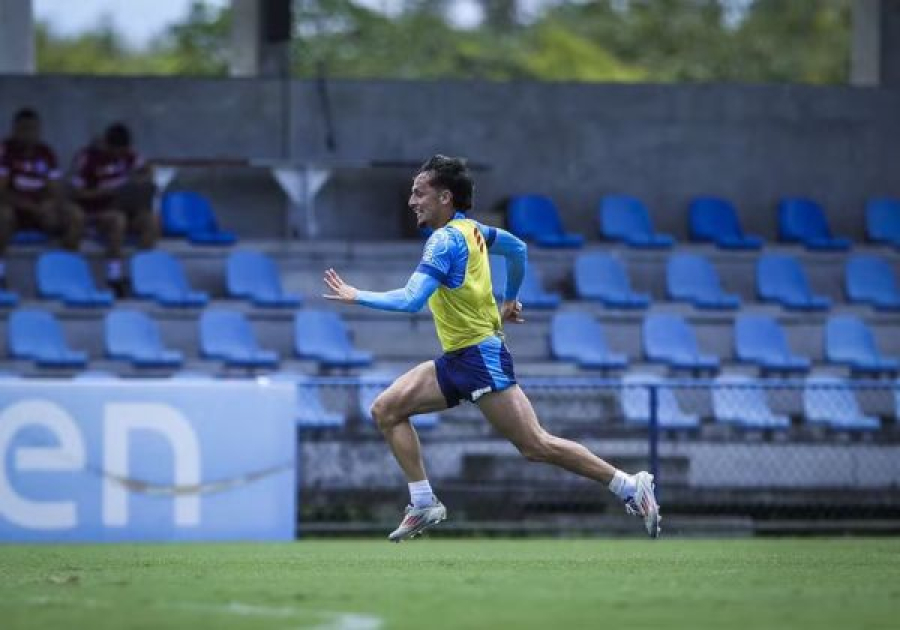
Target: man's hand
511, 311
340, 290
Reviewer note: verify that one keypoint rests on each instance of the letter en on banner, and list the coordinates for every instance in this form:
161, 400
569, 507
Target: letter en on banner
69, 455
122, 418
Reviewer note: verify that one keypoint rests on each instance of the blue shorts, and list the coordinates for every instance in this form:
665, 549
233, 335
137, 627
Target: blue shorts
471, 372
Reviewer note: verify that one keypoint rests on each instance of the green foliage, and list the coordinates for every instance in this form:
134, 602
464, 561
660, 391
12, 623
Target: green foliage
599, 40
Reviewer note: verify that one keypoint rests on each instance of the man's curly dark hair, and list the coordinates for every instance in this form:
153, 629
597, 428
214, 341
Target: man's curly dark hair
451, 173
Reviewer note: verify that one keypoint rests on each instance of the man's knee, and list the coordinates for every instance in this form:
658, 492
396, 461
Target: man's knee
384, 412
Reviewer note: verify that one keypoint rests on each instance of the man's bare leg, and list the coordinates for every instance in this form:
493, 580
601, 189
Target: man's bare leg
511, 413
415, 392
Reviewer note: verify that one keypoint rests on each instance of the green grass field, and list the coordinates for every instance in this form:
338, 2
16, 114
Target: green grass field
469, 583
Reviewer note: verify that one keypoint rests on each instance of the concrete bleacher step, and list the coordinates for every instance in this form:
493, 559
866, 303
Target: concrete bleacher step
494, 468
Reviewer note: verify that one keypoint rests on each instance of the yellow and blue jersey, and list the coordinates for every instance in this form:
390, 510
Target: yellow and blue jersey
463, 305
454, 276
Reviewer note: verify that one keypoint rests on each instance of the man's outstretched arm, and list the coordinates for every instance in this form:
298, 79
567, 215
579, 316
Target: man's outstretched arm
409, 299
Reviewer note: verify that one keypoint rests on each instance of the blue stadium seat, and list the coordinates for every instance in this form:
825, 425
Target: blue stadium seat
132, 336
829, 400
780, 278
870, 280
624, 218
322, 335
37, 336
669, 339
635, 401
157, 275
802, 220
740, 400
692, 278
848, 341
254, 276
714, 220
576, 336
311, 411
602, 277
372, 384
883, 221
65, 276
531, 293
758, 339
535, 218
8, 299
227, 335
187, 213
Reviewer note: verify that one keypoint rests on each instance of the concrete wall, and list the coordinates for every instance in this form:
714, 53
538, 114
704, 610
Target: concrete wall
574, 142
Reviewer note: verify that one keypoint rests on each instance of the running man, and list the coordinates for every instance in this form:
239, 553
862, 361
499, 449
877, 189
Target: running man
454, 278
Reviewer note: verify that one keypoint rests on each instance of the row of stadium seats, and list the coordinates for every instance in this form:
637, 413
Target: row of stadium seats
133, 336
692, 278
625, 219
737, 400
183, 214
758, 341
157, 275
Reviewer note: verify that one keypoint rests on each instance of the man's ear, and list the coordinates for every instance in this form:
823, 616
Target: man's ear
446, 196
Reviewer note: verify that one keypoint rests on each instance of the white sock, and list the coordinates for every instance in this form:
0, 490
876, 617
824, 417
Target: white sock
623, 485
420, 494
114, 270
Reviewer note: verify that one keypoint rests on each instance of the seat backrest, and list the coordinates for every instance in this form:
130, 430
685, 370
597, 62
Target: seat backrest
600, 273
800, 219
130, 331
828, 398
635, 399
868, 278
64, 273
847, 338
252, 274
737, 398
712, 218
33, 332
883, 219
157, 272
667, 336
622, 216
691, 276
186, 212
530, 216
759, 337
315, 331
779, 276
572, 332
225, 332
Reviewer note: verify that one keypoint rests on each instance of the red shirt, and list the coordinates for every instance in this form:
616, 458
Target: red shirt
95, 168
29, 171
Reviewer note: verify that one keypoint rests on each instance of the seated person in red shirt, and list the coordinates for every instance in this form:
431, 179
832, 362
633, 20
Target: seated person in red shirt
114, 186
31, 197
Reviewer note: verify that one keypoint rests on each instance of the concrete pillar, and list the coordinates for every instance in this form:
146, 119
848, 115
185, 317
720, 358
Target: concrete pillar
253, 50
875, 52
246, 33
16, 37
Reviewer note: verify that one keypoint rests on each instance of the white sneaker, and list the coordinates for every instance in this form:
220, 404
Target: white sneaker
643, 503
416, 520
